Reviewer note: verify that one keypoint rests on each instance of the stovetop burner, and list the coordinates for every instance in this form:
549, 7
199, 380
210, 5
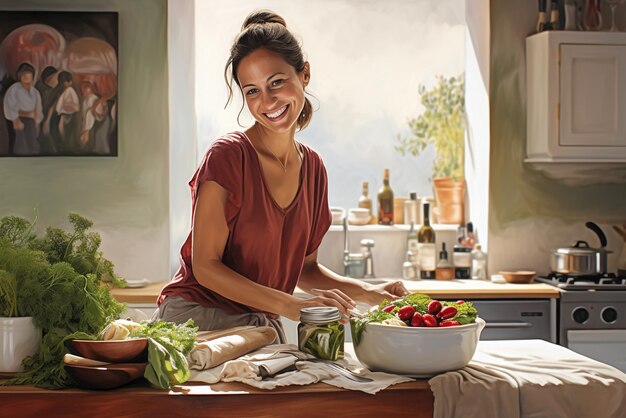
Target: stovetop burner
606, 281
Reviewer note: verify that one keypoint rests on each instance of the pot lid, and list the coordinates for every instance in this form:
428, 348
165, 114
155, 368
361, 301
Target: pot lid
579, 248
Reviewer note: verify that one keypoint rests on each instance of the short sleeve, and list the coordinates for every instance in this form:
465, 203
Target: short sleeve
321, 216
222, 164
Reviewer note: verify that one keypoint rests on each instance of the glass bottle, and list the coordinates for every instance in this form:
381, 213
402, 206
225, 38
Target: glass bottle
542, 18
554, 16
412, 246
479, 263
364, 201
445, 269
592, 19
411, 209
408, 269
426, 251
570, 15
320, 333
385, 201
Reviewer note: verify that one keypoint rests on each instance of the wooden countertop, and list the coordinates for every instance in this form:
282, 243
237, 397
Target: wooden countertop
413, 399
453, 289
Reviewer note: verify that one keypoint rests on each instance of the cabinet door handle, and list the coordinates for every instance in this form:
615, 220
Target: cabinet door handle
509, 325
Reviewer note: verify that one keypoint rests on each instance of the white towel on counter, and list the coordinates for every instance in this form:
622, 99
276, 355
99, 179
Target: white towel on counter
278, 357
530, 379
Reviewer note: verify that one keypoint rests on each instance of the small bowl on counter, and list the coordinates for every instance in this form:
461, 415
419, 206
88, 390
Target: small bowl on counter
518, 276
134, 350
359, 216
107, 376
337, 215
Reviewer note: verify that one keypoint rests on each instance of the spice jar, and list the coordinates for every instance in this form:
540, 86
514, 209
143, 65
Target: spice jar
320, 333
462, 258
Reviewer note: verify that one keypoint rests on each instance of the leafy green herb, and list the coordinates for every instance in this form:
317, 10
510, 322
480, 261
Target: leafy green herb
61, 299
168, 346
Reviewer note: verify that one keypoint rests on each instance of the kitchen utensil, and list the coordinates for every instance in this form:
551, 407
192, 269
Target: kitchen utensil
344, 371
519, 276
580, 258
105, 377
112, 351
417, 351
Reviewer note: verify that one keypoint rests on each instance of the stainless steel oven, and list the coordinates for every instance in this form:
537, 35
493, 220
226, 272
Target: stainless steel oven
516, 319
592, 316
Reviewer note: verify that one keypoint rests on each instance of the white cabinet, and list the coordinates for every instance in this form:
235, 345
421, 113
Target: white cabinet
576, 97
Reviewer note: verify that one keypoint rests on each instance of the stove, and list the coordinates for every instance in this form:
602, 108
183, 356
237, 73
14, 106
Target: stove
591, 315
606, 281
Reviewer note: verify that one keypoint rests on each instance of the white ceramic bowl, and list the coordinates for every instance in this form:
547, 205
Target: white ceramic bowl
359, 216
417, 351
337, 215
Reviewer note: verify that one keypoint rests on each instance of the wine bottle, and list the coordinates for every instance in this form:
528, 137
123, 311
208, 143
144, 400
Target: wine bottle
385, 201
364, 201
542, 20
426, 251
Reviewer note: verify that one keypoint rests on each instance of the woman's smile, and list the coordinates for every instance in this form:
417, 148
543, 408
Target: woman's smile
277, 115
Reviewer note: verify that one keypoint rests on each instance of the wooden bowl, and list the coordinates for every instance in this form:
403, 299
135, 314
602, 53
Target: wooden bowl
133, 350
105, 377
519, 276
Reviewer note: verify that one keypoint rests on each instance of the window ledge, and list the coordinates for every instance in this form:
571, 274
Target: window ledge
390, 228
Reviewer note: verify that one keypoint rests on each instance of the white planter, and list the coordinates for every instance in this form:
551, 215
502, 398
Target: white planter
19, 338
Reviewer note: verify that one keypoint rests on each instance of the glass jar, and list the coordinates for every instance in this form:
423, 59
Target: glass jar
462, 259
320, 333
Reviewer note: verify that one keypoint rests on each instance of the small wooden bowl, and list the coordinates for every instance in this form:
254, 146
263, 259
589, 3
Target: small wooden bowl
518, 277
111, 351
105, 377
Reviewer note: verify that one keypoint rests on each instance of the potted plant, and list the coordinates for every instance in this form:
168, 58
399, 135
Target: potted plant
50, 288
442, 125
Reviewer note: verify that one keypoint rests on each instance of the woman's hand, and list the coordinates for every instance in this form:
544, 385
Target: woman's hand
390, 291
323, 297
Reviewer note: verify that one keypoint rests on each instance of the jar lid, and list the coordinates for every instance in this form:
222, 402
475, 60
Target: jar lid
319, 314
462, 249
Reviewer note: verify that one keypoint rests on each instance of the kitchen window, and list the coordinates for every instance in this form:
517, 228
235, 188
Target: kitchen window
368, 59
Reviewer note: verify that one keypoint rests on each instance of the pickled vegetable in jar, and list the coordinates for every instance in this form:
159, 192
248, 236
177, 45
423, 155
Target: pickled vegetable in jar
320, 333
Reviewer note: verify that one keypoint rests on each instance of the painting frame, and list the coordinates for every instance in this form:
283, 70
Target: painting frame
59, 73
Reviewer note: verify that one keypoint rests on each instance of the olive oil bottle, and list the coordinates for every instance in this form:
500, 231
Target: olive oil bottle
427, 252
385, 201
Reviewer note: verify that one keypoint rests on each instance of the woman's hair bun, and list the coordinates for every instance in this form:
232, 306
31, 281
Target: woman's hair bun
260, 17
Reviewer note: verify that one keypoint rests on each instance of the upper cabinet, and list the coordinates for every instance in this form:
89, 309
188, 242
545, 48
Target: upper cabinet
576, 97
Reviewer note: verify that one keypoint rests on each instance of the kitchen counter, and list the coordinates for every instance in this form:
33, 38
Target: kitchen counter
453, 289
413, 399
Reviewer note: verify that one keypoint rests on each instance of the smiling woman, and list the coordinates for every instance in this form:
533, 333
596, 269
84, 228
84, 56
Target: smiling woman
368, 59
260, 204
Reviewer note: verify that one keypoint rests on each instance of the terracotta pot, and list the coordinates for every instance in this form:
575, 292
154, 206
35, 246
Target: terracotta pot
450, 197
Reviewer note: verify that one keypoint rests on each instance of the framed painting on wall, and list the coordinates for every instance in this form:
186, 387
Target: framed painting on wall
58, 84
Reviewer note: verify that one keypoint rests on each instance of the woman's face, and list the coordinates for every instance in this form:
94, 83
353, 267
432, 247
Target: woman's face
273, 89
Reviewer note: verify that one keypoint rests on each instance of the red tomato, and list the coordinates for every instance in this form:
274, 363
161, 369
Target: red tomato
447, 312
449, 323
429, 320
434, 307
460, 302
417, 320
406, 312
389, 308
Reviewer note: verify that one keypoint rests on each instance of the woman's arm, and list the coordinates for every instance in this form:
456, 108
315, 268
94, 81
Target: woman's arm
209, 237
319, 280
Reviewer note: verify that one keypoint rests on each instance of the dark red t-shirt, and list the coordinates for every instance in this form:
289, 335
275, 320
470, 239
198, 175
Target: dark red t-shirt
266, 243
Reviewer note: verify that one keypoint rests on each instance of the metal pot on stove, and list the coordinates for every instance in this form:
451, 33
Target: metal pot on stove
580, 258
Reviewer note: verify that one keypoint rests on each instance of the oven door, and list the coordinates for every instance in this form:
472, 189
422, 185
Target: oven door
603, 345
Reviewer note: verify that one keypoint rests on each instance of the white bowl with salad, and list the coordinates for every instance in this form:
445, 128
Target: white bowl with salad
417, 336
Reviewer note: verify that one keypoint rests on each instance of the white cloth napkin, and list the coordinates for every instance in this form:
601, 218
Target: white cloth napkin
530, 379
277, 357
